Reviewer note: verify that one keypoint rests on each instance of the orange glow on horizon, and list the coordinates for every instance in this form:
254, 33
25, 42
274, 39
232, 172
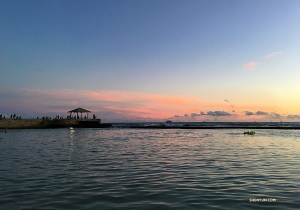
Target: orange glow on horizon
119, 104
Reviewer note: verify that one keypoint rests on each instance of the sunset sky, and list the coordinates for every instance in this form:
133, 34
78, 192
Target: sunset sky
133, 60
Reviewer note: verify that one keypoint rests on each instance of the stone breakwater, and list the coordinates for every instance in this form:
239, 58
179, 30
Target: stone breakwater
48, 123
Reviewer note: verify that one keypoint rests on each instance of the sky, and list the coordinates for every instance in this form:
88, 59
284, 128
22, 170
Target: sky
151, 60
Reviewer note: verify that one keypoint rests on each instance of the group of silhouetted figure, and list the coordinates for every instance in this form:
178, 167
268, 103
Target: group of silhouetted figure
57, 117
71, 117
12, 116
45, 118
78, 118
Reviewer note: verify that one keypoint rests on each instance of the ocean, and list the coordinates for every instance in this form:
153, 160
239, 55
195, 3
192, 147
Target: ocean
125, 168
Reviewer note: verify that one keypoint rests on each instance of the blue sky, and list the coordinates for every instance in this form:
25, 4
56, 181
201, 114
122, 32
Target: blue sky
245, 52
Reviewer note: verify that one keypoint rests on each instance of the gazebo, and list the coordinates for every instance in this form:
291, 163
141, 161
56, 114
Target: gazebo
80, 110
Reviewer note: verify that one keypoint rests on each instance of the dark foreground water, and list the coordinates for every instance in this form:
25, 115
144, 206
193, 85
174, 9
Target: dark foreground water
121, 168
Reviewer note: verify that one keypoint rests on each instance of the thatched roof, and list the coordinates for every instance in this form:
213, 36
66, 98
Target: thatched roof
81, 110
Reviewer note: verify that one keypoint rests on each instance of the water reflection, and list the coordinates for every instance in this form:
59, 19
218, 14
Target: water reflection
71, 144
127, 168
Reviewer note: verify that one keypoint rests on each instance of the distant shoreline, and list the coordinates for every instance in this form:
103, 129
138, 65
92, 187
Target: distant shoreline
216, 127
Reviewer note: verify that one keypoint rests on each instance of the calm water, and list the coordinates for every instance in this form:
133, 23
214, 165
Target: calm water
123, 168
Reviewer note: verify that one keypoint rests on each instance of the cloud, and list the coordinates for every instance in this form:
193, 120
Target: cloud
195, 115
293, 117
258, 113
209, 115
250, 65
218, 113
275, 115
266, 114
261, 113
273, 54
249, 113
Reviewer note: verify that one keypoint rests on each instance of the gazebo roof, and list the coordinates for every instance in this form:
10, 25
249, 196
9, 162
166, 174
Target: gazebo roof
81, 110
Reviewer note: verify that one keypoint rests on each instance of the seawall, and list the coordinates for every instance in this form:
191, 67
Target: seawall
47, 123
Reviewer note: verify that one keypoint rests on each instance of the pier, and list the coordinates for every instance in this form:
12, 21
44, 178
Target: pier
58, 122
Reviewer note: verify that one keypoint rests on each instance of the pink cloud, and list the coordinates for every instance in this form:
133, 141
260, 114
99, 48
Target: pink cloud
273, 54
250, 65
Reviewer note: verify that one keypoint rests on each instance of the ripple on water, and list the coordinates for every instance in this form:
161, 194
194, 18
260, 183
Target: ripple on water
148, 169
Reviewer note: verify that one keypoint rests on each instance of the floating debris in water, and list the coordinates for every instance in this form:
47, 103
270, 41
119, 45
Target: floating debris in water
249, 132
